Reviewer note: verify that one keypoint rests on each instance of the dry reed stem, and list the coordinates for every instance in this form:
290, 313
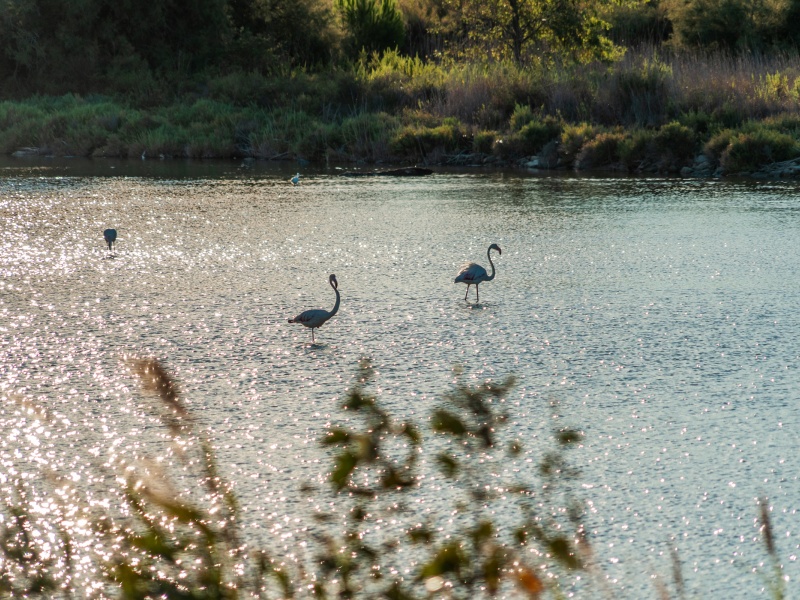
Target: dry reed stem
155, 379
766, 528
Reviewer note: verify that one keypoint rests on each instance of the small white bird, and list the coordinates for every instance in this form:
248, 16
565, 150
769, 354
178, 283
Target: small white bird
474, 274
296, 179
317, 317
110, 236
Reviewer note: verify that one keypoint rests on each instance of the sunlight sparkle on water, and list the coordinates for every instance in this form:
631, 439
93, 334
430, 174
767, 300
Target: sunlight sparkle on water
669, 334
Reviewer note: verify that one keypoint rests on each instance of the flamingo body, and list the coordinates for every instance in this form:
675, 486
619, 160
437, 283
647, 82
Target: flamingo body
317, 317
296, 179
474, 274
110, 236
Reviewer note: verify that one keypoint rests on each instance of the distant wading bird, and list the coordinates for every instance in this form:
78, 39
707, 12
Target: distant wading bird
296, 179
474, 274
111, 236
317, 317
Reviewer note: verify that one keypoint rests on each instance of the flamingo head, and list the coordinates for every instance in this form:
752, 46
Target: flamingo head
496, 247
333, 282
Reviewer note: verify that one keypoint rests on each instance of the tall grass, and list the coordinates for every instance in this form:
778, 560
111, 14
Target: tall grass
398, 109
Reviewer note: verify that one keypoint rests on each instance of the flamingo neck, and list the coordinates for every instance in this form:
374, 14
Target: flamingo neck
489, 256
338, 298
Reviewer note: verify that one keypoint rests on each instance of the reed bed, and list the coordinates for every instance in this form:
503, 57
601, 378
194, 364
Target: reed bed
392, 108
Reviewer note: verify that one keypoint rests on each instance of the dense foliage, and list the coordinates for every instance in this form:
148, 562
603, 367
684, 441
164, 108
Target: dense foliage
437, 81
58, 46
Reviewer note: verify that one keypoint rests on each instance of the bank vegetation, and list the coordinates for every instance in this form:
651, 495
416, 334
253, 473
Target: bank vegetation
660, 86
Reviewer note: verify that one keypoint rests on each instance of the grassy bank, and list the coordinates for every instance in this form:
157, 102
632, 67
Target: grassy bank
646, 113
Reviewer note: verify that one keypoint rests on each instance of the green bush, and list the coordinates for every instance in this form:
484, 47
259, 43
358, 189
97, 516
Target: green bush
785, 123
698, 121
421, 141
483, 141
522, 115
637, 149
600, 151
718, 143
372, 25
749, 151
573, 137
366, 135
676, 140
532, 137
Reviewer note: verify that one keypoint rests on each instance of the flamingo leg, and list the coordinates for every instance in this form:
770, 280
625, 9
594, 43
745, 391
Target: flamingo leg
477, 294
312, 335
465, 295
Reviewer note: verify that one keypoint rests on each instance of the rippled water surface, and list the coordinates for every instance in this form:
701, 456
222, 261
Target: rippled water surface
659, 316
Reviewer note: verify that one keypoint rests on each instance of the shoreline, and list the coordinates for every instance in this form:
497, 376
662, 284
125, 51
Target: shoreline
788, 170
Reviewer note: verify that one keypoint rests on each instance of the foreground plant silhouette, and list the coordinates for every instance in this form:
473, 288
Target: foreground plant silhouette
377, 467
495, 528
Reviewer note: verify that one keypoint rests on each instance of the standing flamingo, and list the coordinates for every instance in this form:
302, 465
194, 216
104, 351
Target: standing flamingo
474, 274
317, 317
110, 236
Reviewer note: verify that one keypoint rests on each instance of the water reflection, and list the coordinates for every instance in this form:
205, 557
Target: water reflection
660, 315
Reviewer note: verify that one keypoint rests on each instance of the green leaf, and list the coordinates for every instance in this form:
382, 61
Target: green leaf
449, 559
421, 535
447, 422
568, 436
447, 464
335, 436
345, 463
482, 532
563, 551
411, 433
492, 571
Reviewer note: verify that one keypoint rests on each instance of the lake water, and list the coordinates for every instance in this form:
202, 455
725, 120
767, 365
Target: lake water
659, 316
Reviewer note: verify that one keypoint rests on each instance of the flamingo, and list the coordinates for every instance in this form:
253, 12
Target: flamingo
474, 274
110, 235
296, 179
317, 317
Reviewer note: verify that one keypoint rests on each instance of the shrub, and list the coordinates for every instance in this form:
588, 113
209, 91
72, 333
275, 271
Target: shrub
718, 143
483, 141
536, 134
676, 141
238, 88
637, 149
522, 115
373, 25
422, 141
366, 135
600, 151
314, 142
749, 151
698, 121
573, 137
530, 139
784, 122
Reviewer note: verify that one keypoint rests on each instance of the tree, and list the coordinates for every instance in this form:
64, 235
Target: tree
274, 34
372, 25
524, 29
57, 45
